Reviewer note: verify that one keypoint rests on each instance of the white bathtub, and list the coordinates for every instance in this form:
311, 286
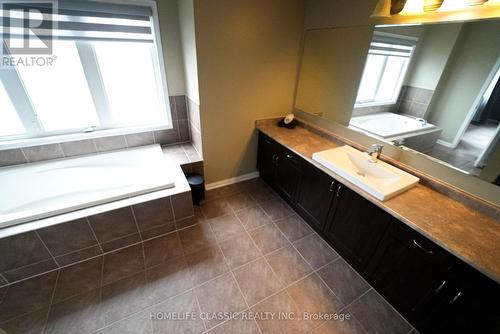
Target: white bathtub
389, 125
39, 190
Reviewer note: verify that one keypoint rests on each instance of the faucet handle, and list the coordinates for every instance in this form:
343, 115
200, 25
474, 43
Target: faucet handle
375, 148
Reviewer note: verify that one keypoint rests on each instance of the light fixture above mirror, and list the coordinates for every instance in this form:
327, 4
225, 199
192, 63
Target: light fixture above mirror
415, 8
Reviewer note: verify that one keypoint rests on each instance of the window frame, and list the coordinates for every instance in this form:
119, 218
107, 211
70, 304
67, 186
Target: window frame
28, 115
401, 80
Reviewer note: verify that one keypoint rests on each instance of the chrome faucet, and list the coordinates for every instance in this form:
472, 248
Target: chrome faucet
374, 151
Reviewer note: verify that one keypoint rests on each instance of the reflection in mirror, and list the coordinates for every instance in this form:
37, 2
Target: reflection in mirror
435, 89
432, 90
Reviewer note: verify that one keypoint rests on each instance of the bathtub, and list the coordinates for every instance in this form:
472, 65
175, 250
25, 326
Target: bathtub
415, 133
389, 125
45, 189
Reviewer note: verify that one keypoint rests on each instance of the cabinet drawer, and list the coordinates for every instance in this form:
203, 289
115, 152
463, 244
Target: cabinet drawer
407, 267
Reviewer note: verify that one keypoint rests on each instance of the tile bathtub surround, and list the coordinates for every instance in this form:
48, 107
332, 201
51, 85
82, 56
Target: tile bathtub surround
179, 133
36, 252
196, 270
195, 124
414, 101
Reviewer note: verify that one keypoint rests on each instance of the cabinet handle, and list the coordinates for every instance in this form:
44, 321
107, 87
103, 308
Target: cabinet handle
440, 287
273, 158
332, 185
454, 299
276, 159
339, 190
422, 248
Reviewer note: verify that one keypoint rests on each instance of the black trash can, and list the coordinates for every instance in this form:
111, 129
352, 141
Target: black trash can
197, 184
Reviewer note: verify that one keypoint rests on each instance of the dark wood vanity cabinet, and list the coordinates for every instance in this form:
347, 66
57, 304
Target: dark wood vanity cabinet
315, 195
355, 227
287, 174
406, 267
266, 154
279, 167
464, 301
434, 290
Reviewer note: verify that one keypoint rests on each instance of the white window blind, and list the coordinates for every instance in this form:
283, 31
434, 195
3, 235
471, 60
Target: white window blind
108, 73
85, 20
385, 69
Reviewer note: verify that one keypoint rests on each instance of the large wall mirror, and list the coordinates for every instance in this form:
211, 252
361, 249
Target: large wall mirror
431, 90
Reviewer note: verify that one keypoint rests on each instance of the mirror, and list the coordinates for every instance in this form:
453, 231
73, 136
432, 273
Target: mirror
431, 90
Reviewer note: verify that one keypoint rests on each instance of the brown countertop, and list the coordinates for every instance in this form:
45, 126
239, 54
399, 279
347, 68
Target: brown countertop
464, 232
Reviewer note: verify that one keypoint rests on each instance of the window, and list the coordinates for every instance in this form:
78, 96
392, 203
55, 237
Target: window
106, 76
385, 69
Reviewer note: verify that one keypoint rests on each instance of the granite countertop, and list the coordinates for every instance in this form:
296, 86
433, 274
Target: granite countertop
464, 232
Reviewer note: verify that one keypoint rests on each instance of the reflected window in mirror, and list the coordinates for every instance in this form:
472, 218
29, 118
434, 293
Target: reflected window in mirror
435, 90
385, 69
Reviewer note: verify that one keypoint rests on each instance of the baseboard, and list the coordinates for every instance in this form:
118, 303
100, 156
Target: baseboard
232, 180
446, 144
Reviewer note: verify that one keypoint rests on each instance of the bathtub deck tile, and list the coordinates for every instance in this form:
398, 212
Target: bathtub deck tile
68, 237
113, 224
30, 270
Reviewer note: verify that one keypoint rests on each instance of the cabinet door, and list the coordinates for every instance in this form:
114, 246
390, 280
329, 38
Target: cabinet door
315, 195
266, 155
288, 174
356, 227
465, 301
407, 267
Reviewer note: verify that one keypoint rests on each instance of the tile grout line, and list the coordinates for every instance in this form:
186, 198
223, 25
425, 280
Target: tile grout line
92, 257
24, 154
50, 303
199, 285
227, 262
94, 234
5, 280
265, 259
199, 309
47, 248
315, 271
140, 237
285, 289
7, 287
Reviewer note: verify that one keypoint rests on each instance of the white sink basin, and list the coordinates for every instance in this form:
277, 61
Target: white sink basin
379, 179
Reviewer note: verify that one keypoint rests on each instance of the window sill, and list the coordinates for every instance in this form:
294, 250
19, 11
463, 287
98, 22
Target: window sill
55, 139
375, 104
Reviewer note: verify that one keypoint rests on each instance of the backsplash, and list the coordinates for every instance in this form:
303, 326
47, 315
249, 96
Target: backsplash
179, 133
414, 101
361, 111
195, 124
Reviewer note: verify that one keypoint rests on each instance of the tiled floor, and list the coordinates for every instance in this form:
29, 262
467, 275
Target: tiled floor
247, 265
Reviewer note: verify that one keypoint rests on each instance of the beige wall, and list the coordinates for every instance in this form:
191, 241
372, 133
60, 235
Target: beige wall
473, 59
171, 43
188, 42
331, 69
491, 170
432, 54
248, 53
338, 13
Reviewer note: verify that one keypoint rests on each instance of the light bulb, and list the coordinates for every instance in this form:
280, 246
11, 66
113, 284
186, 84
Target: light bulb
449, 5
413, 7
